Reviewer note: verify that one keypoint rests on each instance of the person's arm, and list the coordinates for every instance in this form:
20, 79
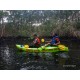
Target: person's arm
35, 41
57, 41
48, 41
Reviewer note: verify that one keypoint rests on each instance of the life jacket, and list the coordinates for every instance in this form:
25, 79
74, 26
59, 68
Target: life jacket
38, 41
55, 39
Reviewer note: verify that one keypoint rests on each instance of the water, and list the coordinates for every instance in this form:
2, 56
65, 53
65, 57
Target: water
12, 59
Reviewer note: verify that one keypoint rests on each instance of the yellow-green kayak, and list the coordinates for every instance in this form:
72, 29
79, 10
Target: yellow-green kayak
59, 48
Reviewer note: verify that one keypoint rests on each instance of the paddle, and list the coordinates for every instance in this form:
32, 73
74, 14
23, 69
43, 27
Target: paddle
26, 46
61, 47
42, 40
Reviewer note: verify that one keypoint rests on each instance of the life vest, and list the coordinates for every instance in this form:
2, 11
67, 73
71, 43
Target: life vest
55, 39
37, 42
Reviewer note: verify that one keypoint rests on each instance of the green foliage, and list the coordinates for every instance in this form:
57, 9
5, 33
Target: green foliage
78, 25
20, 22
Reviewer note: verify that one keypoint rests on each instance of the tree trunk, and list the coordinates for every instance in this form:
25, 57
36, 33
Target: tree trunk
3, 28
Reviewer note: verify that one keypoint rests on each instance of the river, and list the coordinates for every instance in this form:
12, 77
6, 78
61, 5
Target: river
12, 59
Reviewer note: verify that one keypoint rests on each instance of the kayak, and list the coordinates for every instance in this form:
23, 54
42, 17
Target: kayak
54, 49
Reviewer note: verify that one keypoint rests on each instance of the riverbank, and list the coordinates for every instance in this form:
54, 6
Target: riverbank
29, 38
23, 40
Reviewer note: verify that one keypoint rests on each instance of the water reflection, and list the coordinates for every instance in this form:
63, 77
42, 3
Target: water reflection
11, 59
42, 61
7, 58
6, 55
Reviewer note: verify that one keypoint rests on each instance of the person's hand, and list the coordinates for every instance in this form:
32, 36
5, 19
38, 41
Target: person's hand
55, 44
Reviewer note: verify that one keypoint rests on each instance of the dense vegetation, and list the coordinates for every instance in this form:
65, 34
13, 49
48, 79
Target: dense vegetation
43, 22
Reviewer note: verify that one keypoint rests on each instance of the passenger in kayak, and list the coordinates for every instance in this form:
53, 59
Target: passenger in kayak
36, 41
54, 41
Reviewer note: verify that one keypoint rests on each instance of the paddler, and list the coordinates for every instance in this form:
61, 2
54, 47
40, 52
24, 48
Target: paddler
36, 41
54, 41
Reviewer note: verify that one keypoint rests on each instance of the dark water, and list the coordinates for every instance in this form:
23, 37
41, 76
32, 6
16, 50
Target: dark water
12, 59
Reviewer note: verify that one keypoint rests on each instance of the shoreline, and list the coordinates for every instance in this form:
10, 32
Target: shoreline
48, 37
23, 40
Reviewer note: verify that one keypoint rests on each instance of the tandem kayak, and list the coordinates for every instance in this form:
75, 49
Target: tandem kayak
54, 49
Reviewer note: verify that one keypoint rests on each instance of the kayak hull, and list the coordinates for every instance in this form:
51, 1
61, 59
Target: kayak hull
41, 49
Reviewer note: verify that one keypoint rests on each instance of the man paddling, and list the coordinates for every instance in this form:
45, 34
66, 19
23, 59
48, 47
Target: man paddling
54, 41
36, 41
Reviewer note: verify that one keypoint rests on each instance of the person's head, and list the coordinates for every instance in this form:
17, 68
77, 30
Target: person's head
35, 35
53, 34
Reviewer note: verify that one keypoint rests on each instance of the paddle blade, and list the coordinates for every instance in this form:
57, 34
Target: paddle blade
26, 46
61, 47
42, 40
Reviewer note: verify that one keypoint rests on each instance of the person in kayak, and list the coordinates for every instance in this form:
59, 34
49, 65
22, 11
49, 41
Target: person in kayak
54, 41
36, 41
